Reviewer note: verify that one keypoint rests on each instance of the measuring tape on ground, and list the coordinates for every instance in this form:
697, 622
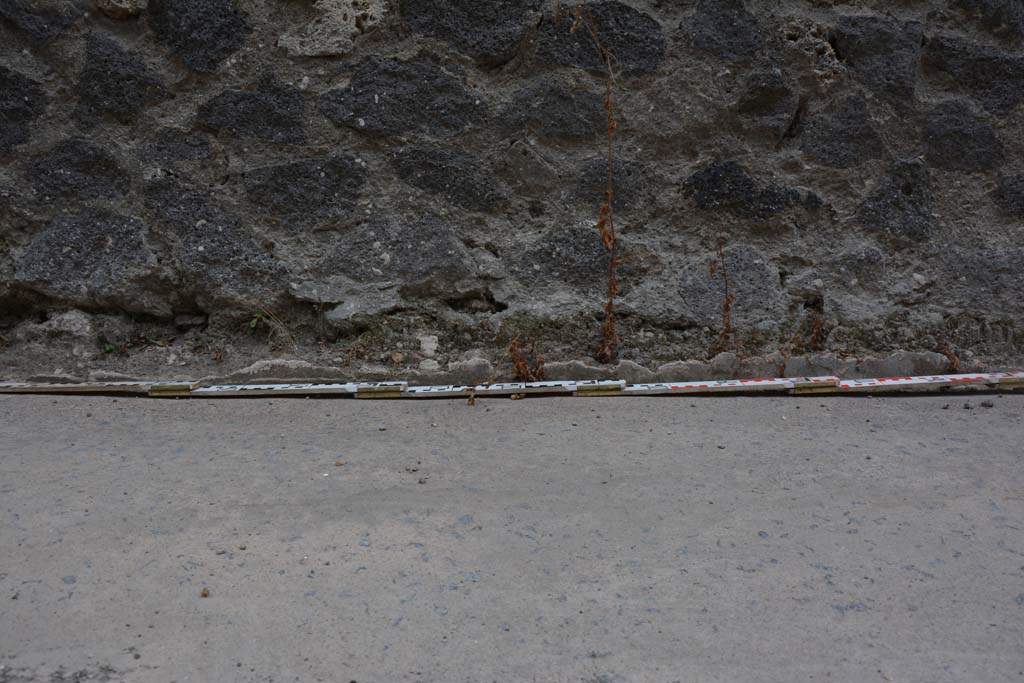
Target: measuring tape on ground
1002, 381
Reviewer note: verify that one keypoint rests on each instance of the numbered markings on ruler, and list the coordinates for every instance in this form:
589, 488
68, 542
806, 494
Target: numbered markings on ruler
648, 389
884, 384
311, 389
136, 387
499, 389
987, 378
734, 386
442, 391
800, 385
558, 387
917, 383
509, 388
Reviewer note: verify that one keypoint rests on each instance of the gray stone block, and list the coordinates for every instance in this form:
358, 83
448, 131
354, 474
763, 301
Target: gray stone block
22, 101
490, 32
389, 97
201, 33
270, 112
77, 168
95, 258
635, 39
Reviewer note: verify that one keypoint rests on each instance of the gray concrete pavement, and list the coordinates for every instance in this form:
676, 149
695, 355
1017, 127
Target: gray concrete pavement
596, 540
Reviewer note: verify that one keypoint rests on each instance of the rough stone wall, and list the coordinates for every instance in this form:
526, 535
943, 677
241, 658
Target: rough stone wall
202, 182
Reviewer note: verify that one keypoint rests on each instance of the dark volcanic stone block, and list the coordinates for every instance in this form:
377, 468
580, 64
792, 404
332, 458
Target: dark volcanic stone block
993, 77
42, 21
308, 191
753, 280
725, 28
592, 183
270, 112
93, 258
22, 101
220, 259
572, 255
901, 204
767, 98
726, 186
114, 82
1009, 195
958, 139
1002, 18
983, 280
201, 33
386, 96
424, 254
170, 144
460, 178
555, 112
635, 39
487, 31
843, 135
182, 206
884, 53
77, 168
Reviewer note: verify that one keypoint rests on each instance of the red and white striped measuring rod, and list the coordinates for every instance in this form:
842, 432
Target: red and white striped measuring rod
1000, 381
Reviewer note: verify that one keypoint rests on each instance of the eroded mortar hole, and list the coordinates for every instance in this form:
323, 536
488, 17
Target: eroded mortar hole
476, 301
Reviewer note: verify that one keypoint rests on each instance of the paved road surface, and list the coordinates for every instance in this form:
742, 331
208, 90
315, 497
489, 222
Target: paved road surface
590, 540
